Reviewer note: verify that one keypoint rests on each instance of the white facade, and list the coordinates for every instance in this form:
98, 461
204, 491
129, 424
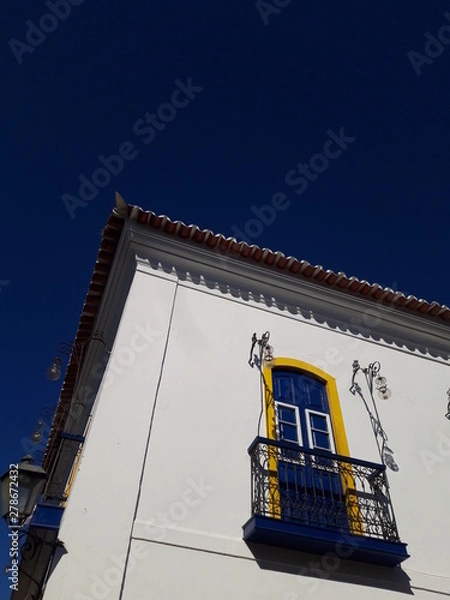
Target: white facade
163, 485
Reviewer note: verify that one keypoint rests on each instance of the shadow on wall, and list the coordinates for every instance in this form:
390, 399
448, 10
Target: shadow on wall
371, 324
311, 570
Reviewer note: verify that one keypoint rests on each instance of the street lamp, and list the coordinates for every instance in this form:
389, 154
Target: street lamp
372, 376
21, 486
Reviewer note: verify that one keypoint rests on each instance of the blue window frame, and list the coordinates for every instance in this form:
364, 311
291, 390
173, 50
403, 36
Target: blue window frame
302, 410
312, 492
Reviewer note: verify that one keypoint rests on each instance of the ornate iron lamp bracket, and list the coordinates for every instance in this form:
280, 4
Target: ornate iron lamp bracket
373, 380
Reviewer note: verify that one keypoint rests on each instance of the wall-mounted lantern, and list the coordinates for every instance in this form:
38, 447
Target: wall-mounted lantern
375, 381
21, 487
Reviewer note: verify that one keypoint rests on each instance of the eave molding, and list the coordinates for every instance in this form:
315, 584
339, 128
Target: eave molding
340, 308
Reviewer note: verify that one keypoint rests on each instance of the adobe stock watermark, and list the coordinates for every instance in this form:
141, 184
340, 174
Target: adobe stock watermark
434, 47
121, 360
323, 567
125, 356
265, 8
36, 34
146, 129
439, 454
178, 511
299, 177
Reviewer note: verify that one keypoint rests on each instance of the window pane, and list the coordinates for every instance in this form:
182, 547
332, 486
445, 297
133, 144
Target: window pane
321, 440
314, 393
289, 433
319, 422
284, 388
286, 414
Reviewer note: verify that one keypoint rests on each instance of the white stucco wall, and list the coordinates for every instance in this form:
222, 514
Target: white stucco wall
165, 475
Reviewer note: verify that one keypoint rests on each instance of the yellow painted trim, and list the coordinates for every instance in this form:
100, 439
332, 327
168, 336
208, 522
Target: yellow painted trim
269, 406
340, 436
72, 477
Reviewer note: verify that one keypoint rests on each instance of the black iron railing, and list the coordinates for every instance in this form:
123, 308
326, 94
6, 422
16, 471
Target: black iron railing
319, 489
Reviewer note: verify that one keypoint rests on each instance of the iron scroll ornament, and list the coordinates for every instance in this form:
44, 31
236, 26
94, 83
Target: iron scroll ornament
375, 380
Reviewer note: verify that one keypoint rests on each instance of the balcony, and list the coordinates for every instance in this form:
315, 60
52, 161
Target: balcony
318, 502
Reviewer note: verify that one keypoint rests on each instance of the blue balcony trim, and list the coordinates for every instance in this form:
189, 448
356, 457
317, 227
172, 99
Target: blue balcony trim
47, 516
276, 532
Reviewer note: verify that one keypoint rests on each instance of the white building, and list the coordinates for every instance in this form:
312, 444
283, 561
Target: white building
165, 393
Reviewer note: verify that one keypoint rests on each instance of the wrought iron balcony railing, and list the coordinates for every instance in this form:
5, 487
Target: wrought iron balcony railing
313, 494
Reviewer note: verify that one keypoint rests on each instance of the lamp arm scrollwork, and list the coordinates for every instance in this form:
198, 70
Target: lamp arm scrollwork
264, 355
372, 375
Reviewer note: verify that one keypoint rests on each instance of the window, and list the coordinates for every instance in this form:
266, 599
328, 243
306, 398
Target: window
307, 492
308, 488
288, 423
313, 393
319, 431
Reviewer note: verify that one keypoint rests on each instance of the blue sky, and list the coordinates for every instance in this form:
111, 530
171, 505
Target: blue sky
265, 90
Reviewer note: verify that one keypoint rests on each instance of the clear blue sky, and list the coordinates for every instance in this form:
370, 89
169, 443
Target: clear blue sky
266, 87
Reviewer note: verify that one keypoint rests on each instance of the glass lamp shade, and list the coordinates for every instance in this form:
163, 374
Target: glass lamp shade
54, 370
36, 436
384, 393
268, 356
22, 485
